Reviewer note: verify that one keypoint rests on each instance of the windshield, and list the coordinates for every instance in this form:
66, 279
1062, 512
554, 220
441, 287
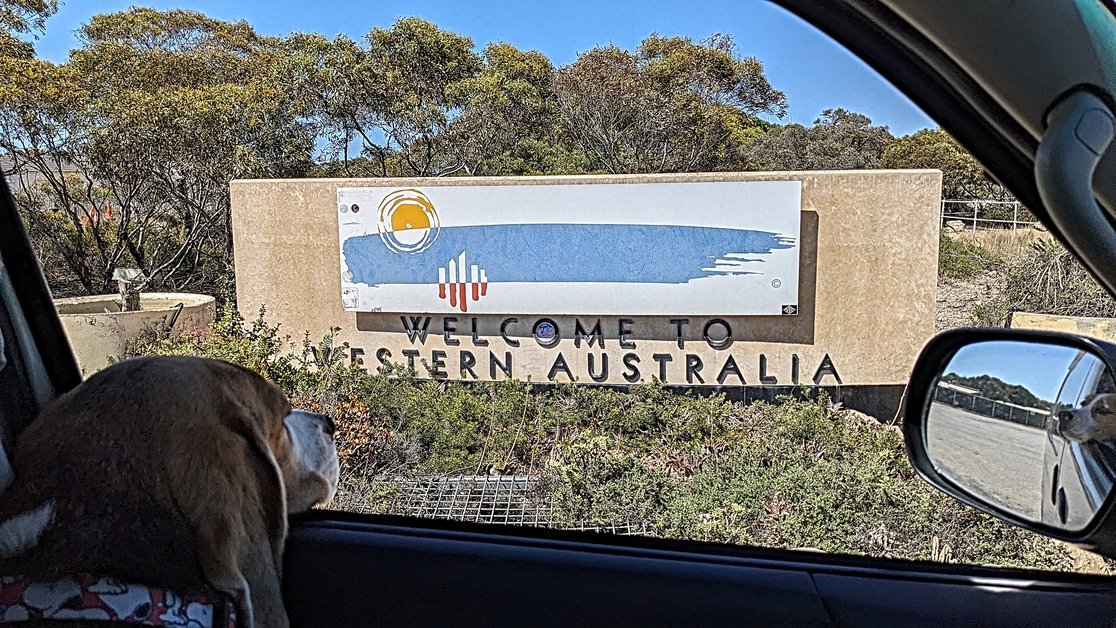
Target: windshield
658, 269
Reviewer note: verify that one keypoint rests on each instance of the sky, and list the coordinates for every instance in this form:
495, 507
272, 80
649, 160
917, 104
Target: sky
1040, 368
814, 72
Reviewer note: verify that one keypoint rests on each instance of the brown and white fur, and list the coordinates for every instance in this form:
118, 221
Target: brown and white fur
175, 472
1094, 420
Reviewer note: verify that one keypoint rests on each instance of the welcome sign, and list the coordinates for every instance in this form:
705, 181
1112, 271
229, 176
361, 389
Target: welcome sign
700, 248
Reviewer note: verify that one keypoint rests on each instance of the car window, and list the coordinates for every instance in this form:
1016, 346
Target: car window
658, 270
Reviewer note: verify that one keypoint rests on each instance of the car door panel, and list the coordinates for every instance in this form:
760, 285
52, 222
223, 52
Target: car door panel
347, 573
861, 601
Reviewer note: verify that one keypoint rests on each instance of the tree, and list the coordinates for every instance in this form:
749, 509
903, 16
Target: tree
963, 177
392, 99
22, 17
157, 112
667, 107
839, 140
508, 107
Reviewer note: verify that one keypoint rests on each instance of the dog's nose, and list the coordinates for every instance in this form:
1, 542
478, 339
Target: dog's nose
1065, 415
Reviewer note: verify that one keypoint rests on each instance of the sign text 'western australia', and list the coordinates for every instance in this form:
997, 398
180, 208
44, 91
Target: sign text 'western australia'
464, 353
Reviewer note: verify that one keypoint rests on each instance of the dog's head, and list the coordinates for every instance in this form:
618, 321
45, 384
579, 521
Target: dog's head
297, 445
214, 447
1094, 420
288, 459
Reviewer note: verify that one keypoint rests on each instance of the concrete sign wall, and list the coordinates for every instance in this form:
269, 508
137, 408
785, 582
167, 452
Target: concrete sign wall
608, 249
866, 272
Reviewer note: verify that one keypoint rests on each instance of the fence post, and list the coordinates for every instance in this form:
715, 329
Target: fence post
1015, 220
975, 209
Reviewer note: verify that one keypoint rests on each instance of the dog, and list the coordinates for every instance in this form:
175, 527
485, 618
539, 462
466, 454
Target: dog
1094, 420
159, 489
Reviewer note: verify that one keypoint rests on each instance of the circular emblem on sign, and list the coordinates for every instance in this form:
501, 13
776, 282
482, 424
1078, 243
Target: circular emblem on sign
408, 222
775, 283
546, 332
344, 208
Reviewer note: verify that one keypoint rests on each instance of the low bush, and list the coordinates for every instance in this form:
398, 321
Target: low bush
794, 474
961, 259
1045, 278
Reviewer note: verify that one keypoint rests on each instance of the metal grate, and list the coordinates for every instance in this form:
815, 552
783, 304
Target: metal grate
507, 499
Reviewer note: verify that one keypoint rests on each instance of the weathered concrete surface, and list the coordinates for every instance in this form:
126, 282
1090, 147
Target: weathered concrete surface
868, 280
97, 329
1099, 328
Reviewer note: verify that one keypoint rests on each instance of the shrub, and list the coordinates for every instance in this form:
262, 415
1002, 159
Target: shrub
1045, 279
960, 259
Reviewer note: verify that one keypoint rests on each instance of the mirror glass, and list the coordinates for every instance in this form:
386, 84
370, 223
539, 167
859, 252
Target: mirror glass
1028, 427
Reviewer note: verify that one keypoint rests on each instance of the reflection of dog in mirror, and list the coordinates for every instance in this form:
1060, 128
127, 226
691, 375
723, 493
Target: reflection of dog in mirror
153, 490
1094, 420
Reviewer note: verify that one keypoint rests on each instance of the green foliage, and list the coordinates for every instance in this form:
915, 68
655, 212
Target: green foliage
669, 106
839, 140
962, 175
136, 138
536, 157
20, 18
509, 107
257, 346
961, 259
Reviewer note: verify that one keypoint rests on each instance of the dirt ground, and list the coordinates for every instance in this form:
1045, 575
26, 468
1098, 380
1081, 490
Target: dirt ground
958, 297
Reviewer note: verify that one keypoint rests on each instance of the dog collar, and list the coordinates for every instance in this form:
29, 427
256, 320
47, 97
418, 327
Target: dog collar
94, 598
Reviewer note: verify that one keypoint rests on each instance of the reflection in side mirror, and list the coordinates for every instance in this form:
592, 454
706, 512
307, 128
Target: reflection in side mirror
1028, 427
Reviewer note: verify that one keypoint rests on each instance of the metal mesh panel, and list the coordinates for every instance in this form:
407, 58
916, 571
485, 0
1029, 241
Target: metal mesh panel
506, 499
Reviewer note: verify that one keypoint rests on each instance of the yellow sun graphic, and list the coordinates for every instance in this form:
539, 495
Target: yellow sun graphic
408, 222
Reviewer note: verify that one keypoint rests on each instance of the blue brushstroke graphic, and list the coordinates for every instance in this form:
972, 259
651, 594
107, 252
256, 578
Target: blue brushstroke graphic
568, 253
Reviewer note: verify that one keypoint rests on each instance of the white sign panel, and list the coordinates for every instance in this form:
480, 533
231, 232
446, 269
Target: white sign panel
716, 248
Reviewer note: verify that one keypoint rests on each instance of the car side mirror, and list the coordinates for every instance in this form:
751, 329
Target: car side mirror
1022, 425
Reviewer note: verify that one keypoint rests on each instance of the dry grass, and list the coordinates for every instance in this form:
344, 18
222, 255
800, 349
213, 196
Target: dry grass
1045, 279
1002, 243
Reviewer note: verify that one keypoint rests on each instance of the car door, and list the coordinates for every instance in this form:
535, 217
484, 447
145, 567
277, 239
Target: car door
1077, 477
345, 569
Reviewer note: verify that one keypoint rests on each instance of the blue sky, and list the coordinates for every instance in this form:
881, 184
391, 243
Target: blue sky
1039, 368
813, 71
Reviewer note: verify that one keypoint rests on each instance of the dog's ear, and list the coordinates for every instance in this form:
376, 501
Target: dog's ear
1103, 404
1088, 399
239, 538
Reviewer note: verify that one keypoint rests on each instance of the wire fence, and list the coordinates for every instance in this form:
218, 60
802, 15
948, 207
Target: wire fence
993, 408
502, 499
980, 214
